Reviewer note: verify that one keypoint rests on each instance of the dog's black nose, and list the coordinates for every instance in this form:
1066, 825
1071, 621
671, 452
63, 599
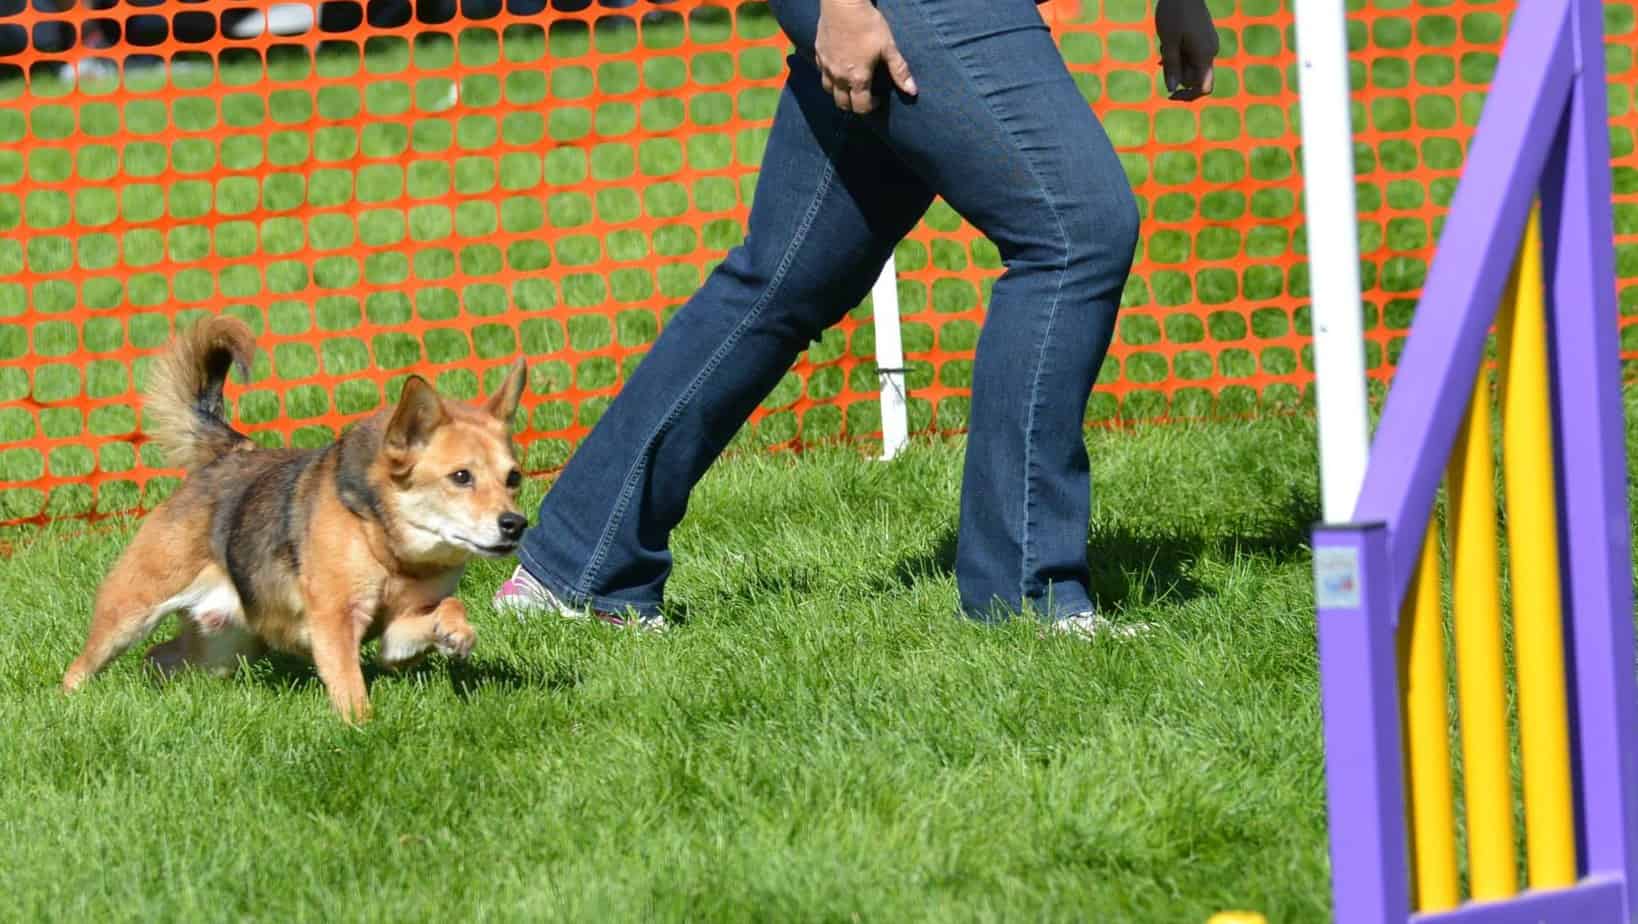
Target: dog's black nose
511, 525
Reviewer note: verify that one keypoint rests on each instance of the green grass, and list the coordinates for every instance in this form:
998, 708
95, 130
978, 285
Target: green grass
822, 739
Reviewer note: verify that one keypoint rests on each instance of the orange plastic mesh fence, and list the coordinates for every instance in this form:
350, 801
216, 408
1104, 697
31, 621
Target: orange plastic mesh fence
416, 186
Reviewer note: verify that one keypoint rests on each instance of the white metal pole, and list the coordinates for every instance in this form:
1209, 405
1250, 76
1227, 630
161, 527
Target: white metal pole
1333, 253
884, 297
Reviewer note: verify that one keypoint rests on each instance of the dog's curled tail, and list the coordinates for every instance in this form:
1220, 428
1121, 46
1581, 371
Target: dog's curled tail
186, 413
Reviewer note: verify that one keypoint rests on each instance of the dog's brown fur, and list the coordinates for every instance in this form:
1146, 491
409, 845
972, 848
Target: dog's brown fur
312, 552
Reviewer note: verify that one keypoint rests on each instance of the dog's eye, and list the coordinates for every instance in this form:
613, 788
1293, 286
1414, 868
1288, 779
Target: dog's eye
461, 477
514, 478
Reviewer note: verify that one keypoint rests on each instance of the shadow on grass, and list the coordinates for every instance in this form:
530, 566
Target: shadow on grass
1132, 566
284, 673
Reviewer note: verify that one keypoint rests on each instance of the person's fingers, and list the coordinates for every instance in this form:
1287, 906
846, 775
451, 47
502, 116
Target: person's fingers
1190, 93
1171, 64
862, 99
1197, 54
899, 69
843, 101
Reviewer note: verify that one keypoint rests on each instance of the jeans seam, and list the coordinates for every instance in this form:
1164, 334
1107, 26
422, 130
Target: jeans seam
1057, 295
640, 464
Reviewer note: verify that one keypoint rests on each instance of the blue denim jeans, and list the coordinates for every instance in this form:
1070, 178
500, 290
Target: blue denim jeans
1000, 130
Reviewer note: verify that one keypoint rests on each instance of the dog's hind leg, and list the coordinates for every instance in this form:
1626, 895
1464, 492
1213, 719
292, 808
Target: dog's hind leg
169, 657
215, 633
205, 644
218, 653
143, 588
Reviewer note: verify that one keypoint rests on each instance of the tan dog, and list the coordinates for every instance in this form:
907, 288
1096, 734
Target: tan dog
316, 551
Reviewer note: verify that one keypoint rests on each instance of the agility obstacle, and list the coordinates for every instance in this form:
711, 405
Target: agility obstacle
1528, 246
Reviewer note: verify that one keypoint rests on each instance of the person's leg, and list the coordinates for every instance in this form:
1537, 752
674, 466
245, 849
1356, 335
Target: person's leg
830, 204
1000, 130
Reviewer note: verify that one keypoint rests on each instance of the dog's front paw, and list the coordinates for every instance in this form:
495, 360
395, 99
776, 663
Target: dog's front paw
455, 641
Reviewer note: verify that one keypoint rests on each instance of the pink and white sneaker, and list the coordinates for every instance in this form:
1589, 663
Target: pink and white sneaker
523, 596
1088, 626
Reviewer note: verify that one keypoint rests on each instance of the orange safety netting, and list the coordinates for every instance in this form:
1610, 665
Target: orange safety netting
420, 186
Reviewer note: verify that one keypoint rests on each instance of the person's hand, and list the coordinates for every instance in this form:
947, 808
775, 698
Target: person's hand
1188, 44
853, 39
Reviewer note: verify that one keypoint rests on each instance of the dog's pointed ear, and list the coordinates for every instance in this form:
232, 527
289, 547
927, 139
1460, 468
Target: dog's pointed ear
420, 411
503, 404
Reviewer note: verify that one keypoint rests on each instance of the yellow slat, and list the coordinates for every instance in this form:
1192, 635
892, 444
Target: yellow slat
1481, 694
1532, 541
1427, 737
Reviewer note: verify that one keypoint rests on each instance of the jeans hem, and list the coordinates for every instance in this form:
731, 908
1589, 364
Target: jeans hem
563, 590
1046, 609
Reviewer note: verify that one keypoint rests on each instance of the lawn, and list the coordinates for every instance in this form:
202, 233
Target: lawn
822, 738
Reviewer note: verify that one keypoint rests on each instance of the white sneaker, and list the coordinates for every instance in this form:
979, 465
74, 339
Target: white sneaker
1092, 625
522, 596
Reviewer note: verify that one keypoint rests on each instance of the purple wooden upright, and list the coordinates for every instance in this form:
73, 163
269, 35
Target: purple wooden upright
1364, 782
1547, 138
1585, 368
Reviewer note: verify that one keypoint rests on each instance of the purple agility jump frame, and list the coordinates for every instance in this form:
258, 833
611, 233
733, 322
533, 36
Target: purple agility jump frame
1543, 133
